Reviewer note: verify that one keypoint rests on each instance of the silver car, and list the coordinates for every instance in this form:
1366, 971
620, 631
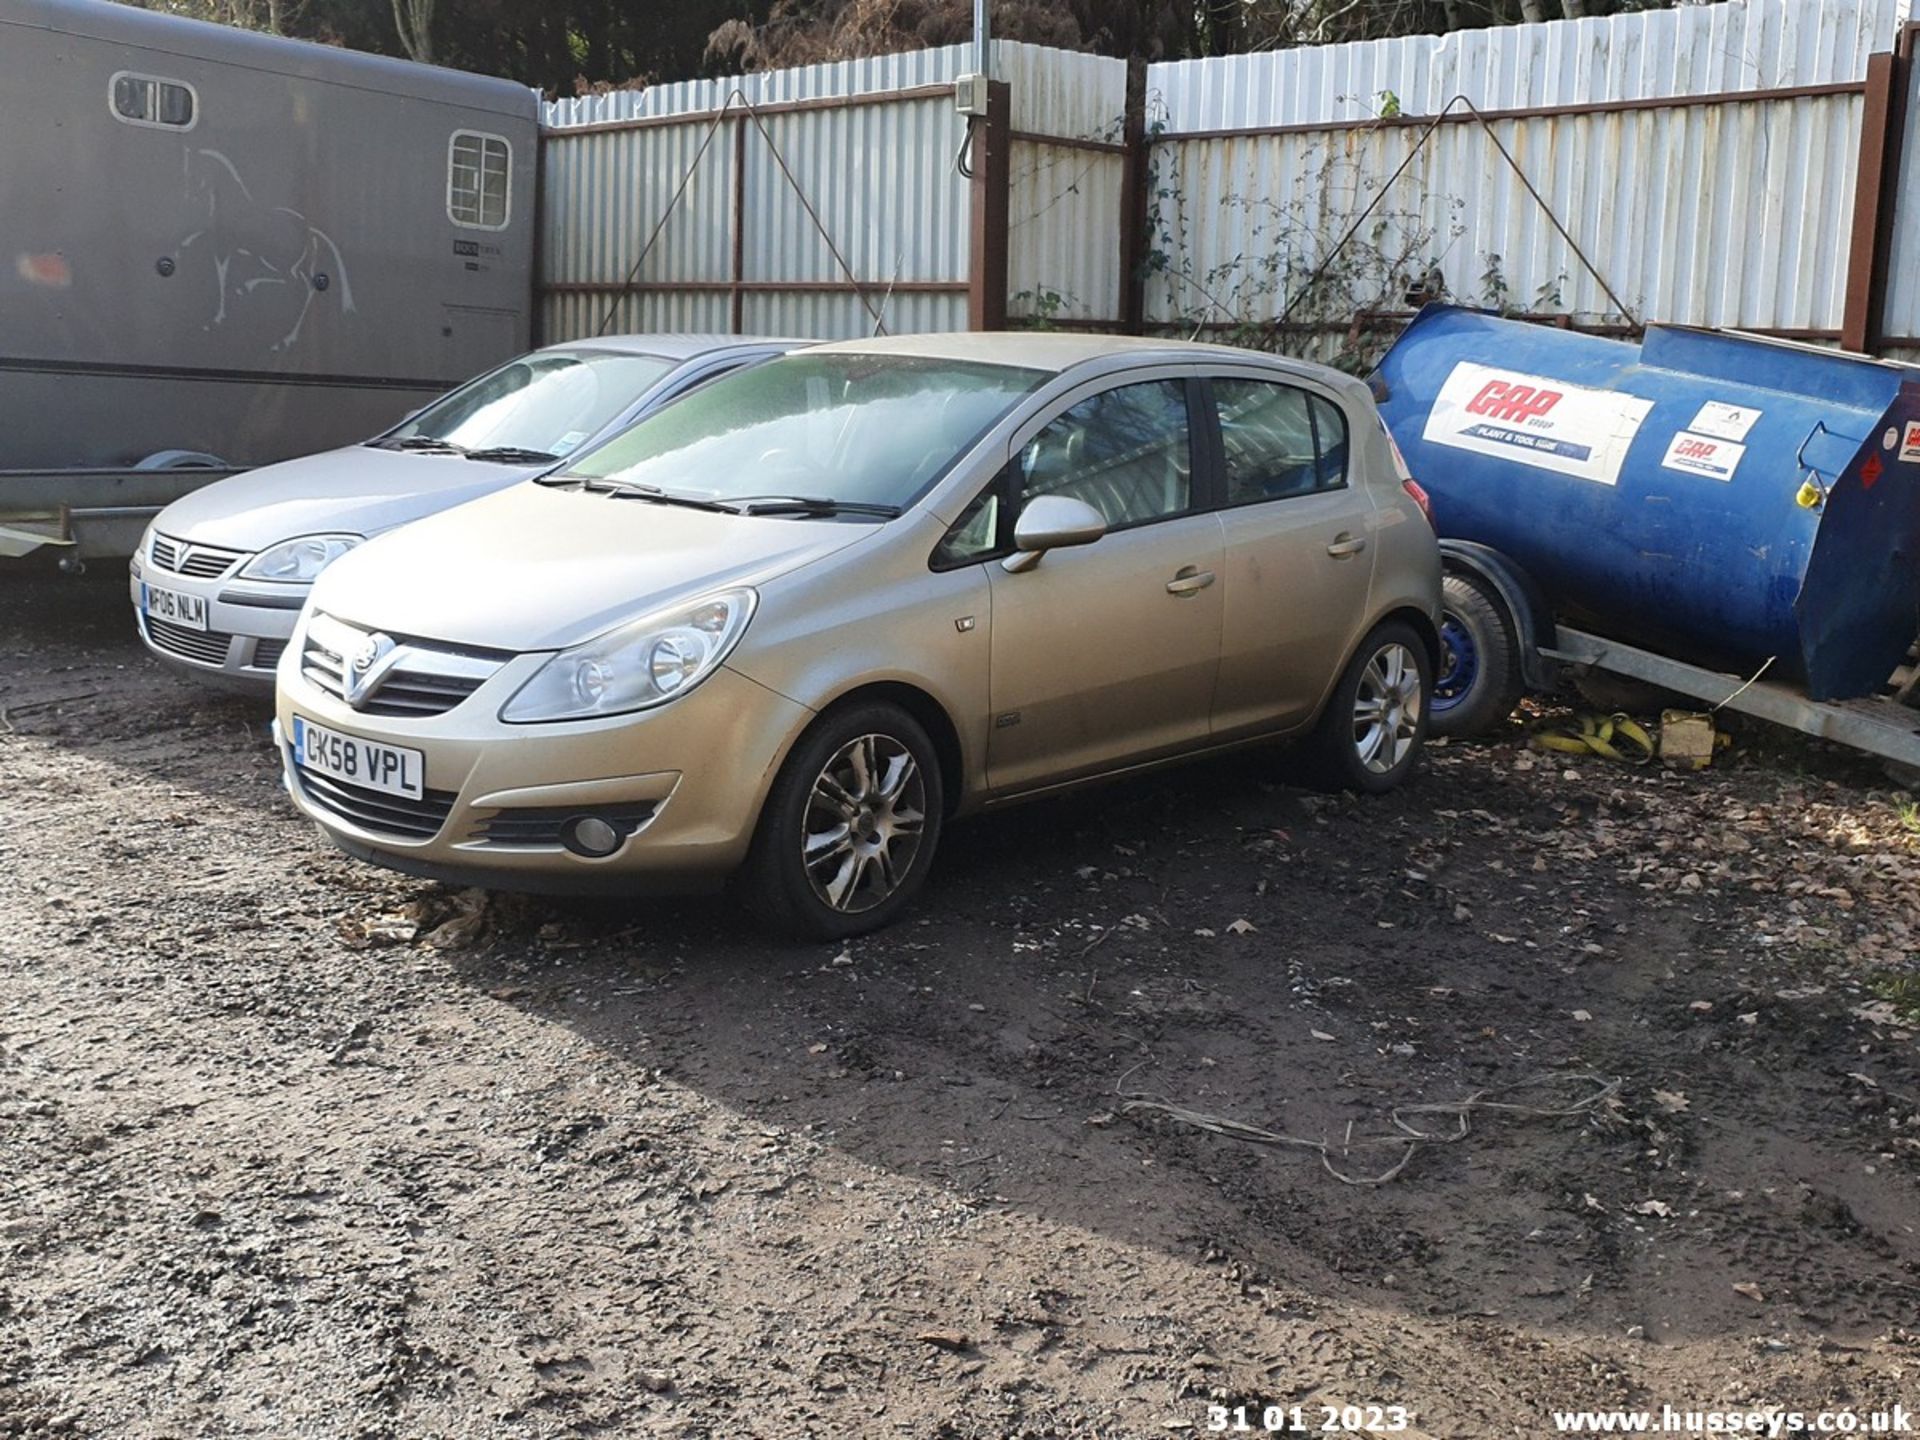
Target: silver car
222, 573
789, 627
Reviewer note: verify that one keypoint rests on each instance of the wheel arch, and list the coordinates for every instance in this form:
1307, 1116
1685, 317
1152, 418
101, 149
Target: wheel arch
932, 717
1519, 598
1421, 624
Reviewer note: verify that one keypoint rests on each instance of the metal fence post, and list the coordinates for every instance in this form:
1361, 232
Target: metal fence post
992, 185
1875, 190
1135, 180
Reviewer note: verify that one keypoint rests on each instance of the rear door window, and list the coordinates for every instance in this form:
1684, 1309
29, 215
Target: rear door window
1278, 441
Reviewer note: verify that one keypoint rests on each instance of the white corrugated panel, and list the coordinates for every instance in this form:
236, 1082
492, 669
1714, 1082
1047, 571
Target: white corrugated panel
1065, 203
1901, 318
1687, 50
882, 180
879, 181
806, 82
1729, 214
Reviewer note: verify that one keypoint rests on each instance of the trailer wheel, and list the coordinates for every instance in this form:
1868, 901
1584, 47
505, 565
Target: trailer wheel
1479, 680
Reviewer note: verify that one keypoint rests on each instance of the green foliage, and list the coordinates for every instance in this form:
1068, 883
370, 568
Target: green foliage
1037, 309
1902, 991
1339, 301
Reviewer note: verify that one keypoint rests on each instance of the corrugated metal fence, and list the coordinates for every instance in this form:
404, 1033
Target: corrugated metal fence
1701, 161
687, 207
1696, 165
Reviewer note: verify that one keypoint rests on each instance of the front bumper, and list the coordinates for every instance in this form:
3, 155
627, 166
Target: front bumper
684, 782
248, 625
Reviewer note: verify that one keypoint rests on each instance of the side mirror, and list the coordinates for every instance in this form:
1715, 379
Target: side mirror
1052, 522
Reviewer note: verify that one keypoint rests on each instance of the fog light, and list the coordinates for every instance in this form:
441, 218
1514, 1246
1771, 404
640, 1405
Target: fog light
591, 836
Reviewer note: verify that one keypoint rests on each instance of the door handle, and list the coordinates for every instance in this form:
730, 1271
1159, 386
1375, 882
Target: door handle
1345, 544
1189, 581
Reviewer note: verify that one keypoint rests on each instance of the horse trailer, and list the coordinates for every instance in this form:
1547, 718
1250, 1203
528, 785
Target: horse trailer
220, 249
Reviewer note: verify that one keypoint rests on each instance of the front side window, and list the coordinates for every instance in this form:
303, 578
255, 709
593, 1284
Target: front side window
479, 172
545, 404
851, 428
150, 100
1277, 441
1127, 452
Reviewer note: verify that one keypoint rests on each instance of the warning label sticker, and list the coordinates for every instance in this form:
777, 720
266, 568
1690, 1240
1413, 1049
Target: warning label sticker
1530, 420
1910, 442
1703, 455
1723, 421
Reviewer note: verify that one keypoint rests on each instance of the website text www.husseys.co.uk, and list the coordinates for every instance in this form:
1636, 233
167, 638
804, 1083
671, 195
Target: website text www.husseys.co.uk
1771, 1423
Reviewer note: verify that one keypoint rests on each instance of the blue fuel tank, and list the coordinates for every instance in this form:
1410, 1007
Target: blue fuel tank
1724, 498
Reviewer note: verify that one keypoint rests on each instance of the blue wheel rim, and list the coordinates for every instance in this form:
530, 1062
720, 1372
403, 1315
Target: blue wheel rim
1459, 665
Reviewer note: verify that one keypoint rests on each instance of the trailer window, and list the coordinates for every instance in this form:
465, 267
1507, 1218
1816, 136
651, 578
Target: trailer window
149, 100
479, 168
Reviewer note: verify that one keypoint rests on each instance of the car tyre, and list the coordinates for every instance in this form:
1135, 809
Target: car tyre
850, 826
1479, 681
1369, 736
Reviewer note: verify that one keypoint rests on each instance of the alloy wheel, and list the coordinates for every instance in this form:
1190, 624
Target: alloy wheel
863, 823
1386, 708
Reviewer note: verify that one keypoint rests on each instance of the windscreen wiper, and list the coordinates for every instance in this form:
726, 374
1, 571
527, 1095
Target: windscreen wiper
420, 442
513, 455
808, 505
632, 490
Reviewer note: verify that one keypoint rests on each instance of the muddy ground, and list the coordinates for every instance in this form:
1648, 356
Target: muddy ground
293, 1147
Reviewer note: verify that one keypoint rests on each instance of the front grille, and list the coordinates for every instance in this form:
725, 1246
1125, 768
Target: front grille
206, 647
423, 679
267, 653
408, 692
200, 562
530, 826
375, 809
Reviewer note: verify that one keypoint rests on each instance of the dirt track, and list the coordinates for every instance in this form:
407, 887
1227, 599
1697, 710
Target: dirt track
291, 1147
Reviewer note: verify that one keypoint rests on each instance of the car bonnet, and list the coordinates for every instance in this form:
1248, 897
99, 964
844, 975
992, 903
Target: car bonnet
542, 568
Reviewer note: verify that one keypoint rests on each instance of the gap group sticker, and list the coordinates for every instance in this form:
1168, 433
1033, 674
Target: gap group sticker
1702, 455
1530, 420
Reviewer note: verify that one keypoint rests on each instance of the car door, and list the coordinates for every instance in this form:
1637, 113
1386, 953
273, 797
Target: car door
1297, 531
1105, 654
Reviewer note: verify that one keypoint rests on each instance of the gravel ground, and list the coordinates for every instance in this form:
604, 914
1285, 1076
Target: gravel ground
294, 1147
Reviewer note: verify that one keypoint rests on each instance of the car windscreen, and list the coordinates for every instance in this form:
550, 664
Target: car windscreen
551, 401
849, 428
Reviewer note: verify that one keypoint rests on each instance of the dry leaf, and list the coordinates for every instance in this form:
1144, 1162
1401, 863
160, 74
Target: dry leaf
1320, 1035
1654, 1207
1242, 927
1751, 1291
1674, 1102
1583, 1015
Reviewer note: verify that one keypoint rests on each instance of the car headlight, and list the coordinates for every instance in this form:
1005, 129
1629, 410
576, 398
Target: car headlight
298, 560
643, 663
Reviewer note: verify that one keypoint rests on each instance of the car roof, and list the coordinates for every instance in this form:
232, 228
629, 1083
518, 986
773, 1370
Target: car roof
677, 347
1058, 351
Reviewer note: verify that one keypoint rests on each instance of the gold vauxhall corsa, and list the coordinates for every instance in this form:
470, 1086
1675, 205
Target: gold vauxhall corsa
788, 627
